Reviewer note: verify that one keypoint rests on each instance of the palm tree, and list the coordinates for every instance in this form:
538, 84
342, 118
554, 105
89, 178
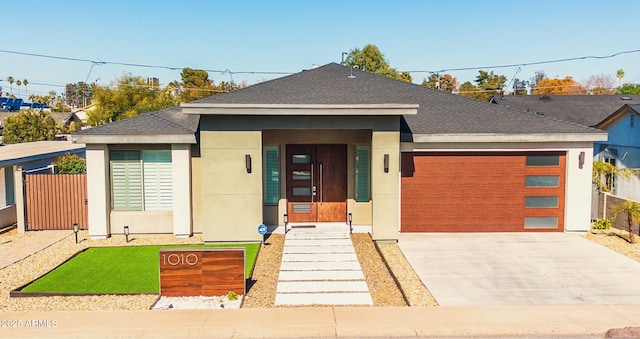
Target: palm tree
10, 80
19, 83
25, 82
619, 75
632, 209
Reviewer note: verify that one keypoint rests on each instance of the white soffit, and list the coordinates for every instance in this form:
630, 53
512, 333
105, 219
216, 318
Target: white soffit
299, 109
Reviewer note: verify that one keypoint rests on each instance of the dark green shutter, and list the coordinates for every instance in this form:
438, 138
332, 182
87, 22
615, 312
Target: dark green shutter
363, 177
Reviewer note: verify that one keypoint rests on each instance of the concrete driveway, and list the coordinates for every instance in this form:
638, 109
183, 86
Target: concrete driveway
465, 269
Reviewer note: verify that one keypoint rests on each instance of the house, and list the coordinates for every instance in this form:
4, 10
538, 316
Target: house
31, 157
331, 144
615, 114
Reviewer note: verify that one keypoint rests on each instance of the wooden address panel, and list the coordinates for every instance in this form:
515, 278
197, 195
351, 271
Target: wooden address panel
206, 272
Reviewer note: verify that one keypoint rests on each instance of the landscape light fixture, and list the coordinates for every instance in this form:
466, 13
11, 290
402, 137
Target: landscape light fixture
75, 230
126, 233
286, 221
247, 162
350, 221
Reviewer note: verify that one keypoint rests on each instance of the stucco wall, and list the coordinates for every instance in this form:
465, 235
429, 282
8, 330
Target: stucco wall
231, 197
578, 185
142, 222
98, 191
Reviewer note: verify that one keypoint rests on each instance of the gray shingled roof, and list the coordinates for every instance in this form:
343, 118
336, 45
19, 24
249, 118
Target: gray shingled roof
438, 112
588, 110
168, 121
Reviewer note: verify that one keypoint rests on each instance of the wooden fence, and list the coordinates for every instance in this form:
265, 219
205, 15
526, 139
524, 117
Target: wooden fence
606, 202
55, 201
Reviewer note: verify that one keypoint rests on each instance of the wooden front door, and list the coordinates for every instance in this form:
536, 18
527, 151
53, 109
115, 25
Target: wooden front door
317, 183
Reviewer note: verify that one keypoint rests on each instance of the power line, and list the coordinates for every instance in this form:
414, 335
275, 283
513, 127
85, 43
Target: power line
98, 62
531, 63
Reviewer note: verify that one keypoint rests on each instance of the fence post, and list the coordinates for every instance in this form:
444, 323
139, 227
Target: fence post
18, 180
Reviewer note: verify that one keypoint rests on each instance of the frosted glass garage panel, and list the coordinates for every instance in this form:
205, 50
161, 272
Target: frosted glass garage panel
542, 181
540, 222
541, 202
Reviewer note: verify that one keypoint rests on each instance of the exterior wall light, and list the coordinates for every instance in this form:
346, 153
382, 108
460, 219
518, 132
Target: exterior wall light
247, 162
386, 163
75, 230
126, 233
581, 160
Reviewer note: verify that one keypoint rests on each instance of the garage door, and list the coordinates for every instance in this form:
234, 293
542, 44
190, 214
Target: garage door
482, 192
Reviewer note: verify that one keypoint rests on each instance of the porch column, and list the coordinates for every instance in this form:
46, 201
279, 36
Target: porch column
385, 185
181, 166
98, 190
18, 192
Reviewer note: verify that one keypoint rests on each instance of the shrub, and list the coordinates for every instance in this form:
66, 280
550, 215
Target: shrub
71, 164
602, 224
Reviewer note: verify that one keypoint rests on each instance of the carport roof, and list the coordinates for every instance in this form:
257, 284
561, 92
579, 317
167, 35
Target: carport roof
440, 116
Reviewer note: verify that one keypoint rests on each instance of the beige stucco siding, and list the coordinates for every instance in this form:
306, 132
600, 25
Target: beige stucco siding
98, 191
231, 197
142, 222
385, 186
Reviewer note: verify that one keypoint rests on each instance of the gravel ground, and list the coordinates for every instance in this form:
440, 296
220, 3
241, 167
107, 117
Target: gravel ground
196, 303
616, 240
262, 289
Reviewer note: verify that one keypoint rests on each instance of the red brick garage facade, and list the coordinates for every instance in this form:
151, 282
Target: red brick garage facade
483, 191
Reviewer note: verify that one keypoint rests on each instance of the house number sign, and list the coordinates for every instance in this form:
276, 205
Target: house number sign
175, 259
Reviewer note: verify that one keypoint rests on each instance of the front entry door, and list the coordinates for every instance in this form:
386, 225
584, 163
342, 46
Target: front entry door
317, 183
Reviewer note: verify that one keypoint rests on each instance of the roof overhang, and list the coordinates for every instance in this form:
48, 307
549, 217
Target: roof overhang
519, 137
299, 109
38, 150
136, 139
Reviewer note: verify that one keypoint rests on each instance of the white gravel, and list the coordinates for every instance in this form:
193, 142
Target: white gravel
196, 303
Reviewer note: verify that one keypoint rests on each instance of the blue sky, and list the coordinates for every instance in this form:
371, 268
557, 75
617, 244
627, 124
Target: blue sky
289, 36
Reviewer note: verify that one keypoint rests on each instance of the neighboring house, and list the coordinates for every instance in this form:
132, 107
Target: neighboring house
329, 145
615, 114
61, 118
30, 156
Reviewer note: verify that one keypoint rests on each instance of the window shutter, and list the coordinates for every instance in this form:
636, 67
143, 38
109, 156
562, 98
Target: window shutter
126, 180
158, 181
271, 175
362, 175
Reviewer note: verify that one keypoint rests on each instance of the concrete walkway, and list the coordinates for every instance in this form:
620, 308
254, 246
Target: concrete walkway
586, 321
29, 243
320, 267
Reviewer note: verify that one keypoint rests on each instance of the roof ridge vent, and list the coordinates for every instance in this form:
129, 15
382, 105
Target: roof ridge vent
626, 98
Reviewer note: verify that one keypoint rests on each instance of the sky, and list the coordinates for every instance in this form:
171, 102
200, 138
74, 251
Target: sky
232, 39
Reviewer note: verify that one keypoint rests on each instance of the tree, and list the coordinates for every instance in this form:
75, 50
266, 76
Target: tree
604, 174
28, 126
601, 84
632, 210
19, 83
488, 85
619, 75
129, 97
25, 82
444, 82
70, 164
370, 59
520, 87
10, 81
629, 89
539, 75
556, 86
78, 94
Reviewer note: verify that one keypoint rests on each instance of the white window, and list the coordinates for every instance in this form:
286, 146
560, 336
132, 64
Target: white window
141, 180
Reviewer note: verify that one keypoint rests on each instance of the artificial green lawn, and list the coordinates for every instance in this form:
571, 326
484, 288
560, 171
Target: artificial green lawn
107, 270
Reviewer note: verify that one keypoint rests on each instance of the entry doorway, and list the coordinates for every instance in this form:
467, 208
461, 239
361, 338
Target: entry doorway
317, 183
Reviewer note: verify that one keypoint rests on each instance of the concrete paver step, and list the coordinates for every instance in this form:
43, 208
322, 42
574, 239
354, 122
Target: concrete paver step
314, 266
318, 242
318, 249
323, 299
320, 257
322, 286
321, 275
